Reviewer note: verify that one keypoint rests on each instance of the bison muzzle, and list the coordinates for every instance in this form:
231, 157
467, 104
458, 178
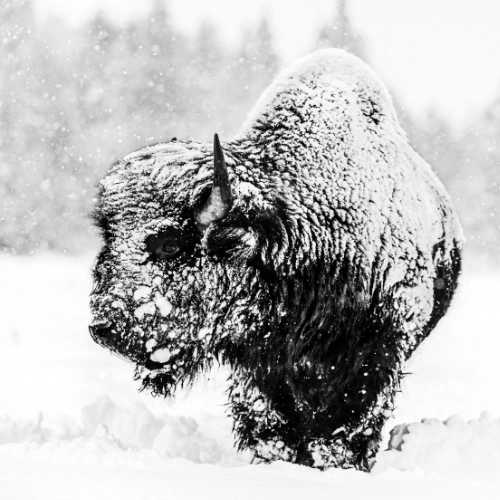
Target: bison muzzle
311, 254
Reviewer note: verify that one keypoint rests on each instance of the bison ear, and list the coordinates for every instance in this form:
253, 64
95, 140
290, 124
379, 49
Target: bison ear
221, 198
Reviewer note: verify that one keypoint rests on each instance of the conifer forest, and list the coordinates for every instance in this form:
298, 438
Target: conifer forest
75, 99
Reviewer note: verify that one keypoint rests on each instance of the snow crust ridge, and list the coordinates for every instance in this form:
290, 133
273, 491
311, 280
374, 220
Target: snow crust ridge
109, 435
451, 447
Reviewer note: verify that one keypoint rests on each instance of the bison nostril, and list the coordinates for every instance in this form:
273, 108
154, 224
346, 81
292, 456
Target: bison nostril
100, 333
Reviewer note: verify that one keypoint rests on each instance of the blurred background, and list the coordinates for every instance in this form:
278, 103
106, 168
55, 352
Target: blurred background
84, 82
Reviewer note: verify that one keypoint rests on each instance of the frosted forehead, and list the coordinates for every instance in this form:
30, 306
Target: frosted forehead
152, 172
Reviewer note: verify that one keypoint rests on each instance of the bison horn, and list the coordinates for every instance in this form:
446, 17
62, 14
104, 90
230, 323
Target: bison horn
221, 198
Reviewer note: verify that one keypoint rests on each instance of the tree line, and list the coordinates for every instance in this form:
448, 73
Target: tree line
73, 99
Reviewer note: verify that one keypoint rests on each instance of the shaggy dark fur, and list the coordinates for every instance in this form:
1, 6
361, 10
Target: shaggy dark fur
313, 260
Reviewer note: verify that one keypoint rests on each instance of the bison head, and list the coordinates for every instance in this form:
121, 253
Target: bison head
188, 268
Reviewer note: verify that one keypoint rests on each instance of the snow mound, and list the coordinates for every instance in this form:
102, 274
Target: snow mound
450, 448
110, 435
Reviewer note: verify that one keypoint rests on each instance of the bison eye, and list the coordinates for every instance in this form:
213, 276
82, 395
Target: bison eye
169, 249
168, 244
161, 247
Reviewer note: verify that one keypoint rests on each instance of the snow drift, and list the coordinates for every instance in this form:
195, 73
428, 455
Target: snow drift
73, 426
110, 435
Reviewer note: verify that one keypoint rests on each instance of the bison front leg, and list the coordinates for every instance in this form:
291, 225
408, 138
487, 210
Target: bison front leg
259, 426
304, 422
356, 443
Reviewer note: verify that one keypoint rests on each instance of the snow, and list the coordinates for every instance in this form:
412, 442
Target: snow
143, 292
161, 355
74, 426
147, 308
163, 305
453, 447
332, 67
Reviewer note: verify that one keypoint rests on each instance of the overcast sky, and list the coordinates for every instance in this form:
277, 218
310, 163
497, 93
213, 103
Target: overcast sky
442, 52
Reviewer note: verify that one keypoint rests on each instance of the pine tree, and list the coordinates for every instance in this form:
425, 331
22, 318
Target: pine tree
156, 76
479, 184
341, 34
252, 69
23, 127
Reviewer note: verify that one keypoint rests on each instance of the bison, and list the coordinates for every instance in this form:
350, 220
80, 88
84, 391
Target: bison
311, 254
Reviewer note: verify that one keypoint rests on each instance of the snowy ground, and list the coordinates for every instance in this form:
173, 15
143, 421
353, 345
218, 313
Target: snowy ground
74, 426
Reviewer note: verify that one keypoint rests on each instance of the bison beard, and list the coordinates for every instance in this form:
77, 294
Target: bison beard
312, 257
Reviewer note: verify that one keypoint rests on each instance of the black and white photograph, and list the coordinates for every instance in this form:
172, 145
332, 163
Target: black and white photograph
249, 250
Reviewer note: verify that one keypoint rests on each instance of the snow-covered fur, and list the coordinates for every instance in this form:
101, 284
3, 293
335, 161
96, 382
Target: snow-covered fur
338, 253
